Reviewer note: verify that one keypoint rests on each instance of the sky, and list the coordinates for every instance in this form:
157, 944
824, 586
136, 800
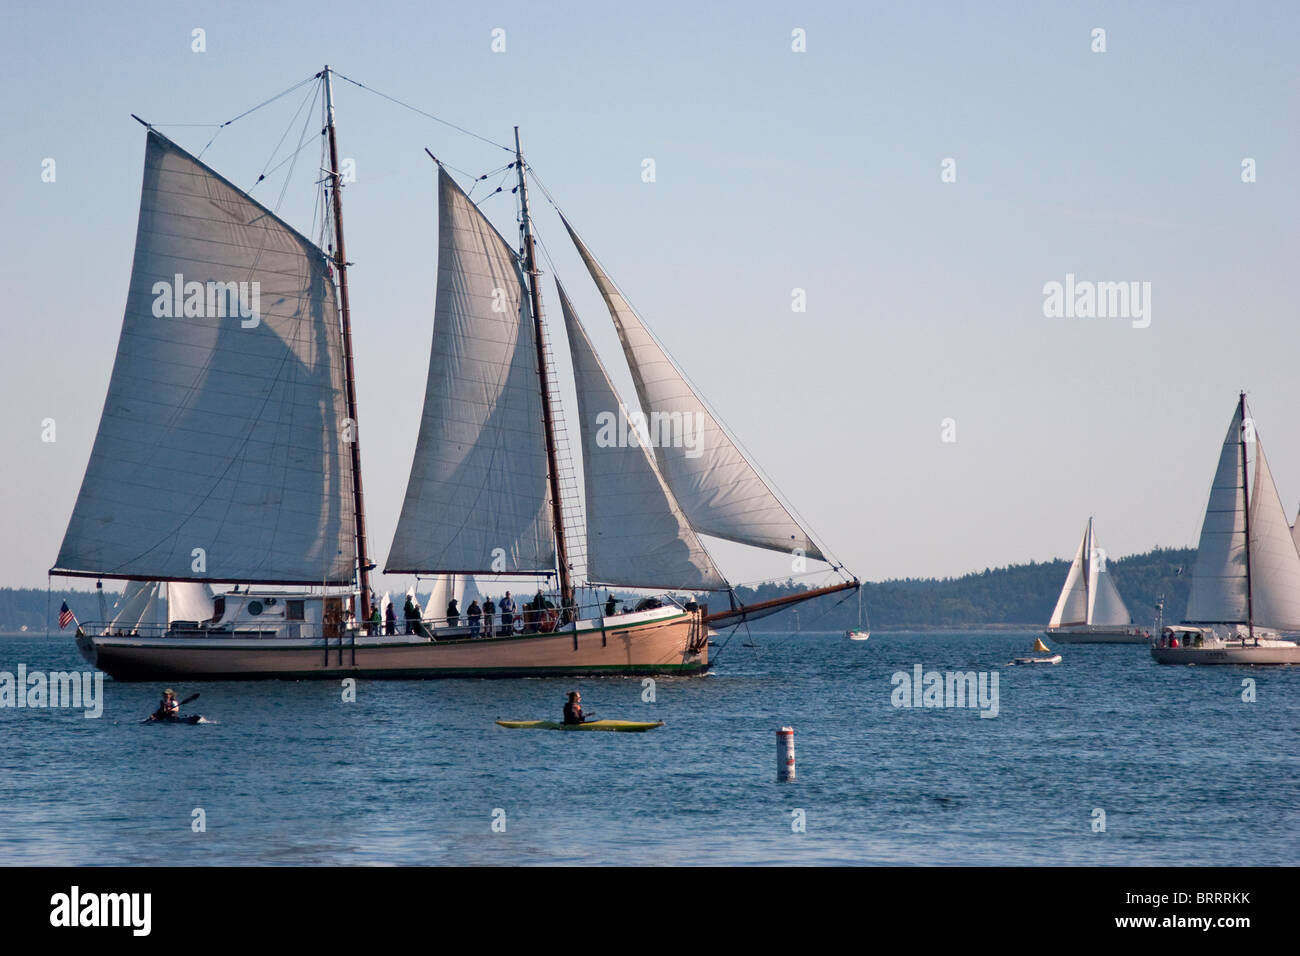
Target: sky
775, 170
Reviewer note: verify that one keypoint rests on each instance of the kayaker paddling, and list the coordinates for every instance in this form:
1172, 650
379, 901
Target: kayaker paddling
169, 707
573, 710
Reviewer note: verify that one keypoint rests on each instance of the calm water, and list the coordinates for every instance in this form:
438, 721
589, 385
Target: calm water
412, 771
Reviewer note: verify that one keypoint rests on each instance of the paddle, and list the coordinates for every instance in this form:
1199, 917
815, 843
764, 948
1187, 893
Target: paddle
154, 715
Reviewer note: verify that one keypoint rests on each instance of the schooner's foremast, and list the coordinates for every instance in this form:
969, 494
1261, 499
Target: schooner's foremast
548, 419
345, 318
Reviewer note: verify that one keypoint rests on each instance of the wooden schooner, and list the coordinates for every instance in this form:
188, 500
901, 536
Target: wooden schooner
228, 454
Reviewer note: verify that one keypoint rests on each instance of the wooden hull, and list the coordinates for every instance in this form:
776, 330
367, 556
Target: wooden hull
650, 642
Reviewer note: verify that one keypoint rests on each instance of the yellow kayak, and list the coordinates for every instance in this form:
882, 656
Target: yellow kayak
634, 726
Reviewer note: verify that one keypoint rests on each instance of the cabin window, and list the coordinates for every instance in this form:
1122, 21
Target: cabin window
254, 608
294, 610
218, 608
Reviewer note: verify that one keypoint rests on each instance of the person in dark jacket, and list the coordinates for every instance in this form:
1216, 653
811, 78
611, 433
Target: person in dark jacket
472, 614
453, 613
489, 611
390, 620
573, 709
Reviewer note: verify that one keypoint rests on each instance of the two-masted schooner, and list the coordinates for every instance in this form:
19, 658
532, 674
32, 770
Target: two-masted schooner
228, 453
1246, 579
1089, 609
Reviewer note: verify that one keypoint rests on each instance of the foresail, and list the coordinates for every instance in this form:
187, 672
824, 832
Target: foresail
717, 488
221, 452
1218, 591
1105, 606
1274, 563
477, 498
637, 535
1072, 605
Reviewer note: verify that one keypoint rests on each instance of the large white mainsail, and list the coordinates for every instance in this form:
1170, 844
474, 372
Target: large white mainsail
1274, 562
221, 450
1218, 592
1072, 605
477, 496
637, 535
717, 488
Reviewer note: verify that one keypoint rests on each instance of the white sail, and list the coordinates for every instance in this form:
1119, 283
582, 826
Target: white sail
134, 605
221, 451
1072, 605
1295, 531
717, 488
1218, 592
188, 601
1274, 562
637, 535
477, 496
1108, 608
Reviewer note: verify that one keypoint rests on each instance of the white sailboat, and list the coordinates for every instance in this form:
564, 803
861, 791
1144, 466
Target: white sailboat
861, 632
228, 453
1089, 609
1246, 579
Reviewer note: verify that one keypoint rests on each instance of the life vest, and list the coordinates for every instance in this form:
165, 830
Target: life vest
549, 620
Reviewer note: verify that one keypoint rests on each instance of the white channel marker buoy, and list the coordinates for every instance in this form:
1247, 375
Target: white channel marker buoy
785, 754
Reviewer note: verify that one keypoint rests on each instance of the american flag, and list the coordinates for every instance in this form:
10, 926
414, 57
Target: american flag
65, 616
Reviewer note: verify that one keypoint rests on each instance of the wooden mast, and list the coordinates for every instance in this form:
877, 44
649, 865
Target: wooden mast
548, 421
1245, 498
345, 313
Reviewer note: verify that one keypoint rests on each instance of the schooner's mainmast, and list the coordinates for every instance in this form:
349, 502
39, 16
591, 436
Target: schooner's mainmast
345, 318
1245, 509
548, 418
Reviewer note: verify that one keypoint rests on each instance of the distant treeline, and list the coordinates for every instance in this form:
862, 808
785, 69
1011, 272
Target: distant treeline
1021, 594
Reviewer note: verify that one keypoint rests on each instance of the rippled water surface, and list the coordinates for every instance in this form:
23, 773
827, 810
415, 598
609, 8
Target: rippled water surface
413, 771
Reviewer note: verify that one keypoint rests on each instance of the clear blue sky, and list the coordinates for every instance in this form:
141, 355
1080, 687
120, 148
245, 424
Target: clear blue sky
775, 170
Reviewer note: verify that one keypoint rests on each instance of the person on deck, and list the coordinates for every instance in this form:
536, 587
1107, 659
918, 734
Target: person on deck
453, 613
507, 615
390, 620
375, 619
472, 614
168, 706
611, 606
412, 615
489, 611
573, 709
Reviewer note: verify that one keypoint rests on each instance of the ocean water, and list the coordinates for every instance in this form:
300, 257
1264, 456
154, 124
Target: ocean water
416, 772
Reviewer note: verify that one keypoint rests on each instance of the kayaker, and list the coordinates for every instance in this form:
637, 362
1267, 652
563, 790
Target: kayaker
168, 707
573, 709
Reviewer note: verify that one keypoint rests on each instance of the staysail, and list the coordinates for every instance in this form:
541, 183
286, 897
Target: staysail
477, 498
637, 535
717, 488
1107, 608
221, 452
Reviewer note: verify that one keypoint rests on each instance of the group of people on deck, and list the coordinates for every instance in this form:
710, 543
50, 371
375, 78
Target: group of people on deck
538, 615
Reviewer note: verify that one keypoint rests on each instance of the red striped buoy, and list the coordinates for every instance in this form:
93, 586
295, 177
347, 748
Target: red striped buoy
785, 754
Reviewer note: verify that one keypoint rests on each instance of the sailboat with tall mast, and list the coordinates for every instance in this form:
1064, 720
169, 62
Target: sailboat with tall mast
1089, 609
228, 453
1246, 579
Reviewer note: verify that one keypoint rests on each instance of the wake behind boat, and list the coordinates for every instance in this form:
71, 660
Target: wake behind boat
1089, 609
228, 452
1246, 579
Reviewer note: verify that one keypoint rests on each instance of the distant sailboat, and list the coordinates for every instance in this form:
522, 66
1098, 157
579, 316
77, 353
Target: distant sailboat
862, 632
228, 452
1090, 610
1246, 580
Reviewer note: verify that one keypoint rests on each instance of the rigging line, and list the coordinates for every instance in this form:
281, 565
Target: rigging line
307, 100
222, 126
783, 500
415, 109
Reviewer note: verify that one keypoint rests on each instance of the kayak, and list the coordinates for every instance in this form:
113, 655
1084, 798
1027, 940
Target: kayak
633, 726
188, 719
